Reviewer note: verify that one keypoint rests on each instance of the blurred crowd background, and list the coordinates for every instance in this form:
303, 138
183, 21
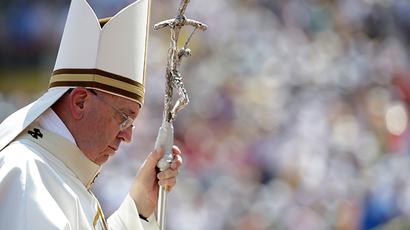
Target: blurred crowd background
297, 117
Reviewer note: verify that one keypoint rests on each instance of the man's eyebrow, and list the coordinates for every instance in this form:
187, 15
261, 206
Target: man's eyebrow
128, 111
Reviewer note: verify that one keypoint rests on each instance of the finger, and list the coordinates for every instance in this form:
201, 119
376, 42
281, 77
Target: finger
177, 162
154, 157
176, 150
171, 182
167, 174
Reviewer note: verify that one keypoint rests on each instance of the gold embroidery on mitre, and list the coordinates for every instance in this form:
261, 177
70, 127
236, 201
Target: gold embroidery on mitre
98, 79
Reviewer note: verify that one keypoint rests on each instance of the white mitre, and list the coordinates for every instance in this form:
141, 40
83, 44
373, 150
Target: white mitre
111, 59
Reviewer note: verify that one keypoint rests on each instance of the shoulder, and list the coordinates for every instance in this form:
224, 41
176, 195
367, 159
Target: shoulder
20, 151
26, 159
17, 162
18, 157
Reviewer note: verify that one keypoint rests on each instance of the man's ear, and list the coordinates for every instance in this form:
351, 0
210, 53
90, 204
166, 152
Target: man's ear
78, 98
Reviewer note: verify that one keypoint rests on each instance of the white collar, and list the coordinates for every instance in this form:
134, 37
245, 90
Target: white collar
50, 121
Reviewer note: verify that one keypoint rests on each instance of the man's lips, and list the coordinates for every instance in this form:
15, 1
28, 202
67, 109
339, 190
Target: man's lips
113, 148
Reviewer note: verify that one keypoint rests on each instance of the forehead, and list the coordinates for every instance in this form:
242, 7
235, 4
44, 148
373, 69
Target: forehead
128, 106
125, 105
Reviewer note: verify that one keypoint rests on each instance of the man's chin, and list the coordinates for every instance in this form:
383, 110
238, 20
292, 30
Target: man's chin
104, 155
101, 160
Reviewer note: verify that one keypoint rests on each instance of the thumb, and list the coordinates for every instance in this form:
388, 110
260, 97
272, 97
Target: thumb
153, 158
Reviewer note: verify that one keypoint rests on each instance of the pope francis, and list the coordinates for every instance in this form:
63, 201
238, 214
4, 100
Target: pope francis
51, 151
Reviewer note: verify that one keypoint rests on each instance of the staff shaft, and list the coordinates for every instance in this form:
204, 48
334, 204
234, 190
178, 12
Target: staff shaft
162, 204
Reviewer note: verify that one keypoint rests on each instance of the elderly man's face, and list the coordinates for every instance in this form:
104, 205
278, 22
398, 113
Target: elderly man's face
103, 135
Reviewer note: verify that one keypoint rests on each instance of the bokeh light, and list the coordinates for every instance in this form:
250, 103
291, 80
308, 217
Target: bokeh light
396, 119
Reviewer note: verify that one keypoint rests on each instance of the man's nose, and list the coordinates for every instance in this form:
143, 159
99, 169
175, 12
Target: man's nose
126, 135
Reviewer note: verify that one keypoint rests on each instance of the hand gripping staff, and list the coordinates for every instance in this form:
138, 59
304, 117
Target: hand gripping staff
173, 79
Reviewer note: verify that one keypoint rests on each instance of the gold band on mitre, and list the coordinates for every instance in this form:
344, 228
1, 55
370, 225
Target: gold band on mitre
99, 79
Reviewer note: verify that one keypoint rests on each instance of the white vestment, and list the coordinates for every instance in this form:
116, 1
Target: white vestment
45, 182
